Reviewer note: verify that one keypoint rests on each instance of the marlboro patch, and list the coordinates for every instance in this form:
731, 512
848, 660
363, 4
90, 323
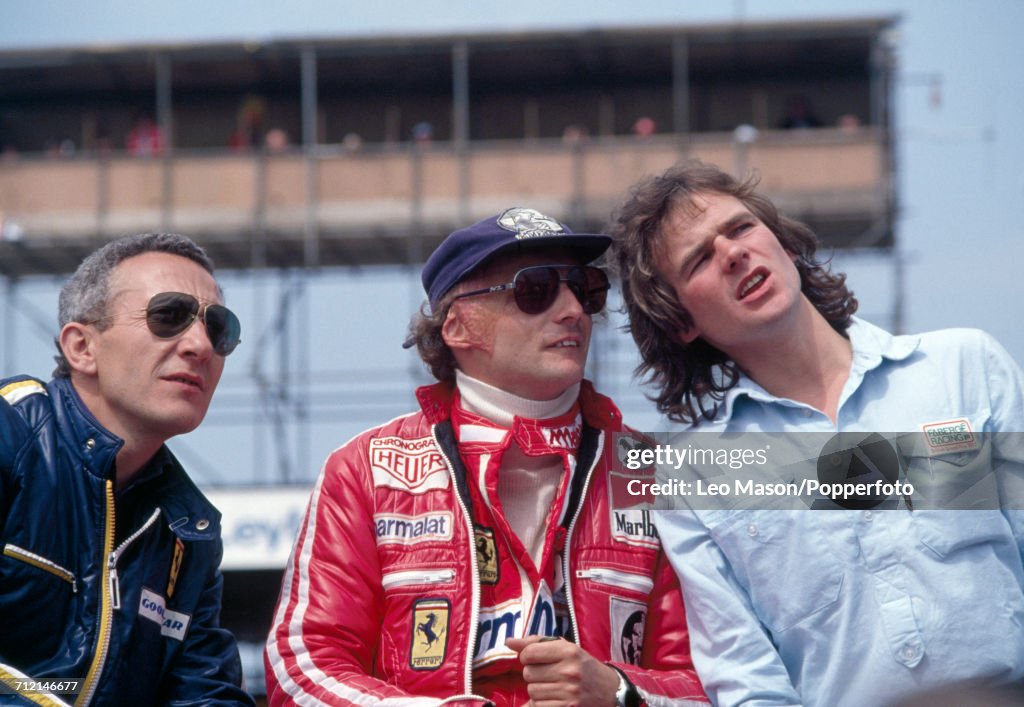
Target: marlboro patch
949, 436
429, 633
486, 556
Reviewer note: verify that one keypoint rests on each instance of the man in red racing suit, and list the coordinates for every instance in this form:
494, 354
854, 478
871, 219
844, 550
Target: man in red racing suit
485, 548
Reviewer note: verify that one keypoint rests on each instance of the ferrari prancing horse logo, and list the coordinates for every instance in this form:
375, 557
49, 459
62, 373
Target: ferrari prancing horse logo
429, 633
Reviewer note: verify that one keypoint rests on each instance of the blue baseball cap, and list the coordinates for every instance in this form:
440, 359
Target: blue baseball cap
518, 228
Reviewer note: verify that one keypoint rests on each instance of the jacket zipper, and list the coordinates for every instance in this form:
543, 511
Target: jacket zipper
618, 578
405, 578
115, 587
106, 617
568, 539
474, 616
42, 563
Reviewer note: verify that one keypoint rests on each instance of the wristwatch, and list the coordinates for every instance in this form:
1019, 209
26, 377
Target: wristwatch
626, 695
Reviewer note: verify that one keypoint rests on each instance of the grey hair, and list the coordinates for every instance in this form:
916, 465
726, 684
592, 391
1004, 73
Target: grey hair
86, 295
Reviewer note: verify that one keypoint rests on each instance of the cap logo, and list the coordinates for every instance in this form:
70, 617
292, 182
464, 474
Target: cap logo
529, 223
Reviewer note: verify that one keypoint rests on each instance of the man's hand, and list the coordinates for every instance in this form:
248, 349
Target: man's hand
558, 672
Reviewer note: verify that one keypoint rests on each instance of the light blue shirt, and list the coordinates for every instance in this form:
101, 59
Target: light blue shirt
844, 607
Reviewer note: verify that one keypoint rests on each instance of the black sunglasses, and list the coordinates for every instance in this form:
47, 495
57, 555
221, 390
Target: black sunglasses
535, 288
168, 314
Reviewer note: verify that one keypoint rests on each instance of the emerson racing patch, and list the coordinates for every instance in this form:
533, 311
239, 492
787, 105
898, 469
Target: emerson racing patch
413, 465
429, 633
397, 529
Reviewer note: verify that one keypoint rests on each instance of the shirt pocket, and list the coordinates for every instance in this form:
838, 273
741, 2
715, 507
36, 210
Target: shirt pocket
782, 559
946, 533
953, 471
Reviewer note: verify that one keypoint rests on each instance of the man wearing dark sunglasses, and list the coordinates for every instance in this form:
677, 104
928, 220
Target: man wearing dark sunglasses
476, 550
110, 586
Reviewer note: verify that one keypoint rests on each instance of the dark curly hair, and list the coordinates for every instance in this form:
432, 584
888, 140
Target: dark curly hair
425, 333
692, 379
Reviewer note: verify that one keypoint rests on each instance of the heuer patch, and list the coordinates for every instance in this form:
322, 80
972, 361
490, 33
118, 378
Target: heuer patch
413, 465
398, 529
430, 621
152, 606
627, 630
486, 555
949, 436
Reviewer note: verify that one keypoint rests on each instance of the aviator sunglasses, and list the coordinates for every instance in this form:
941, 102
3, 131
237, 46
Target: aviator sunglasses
169, 314
535, 288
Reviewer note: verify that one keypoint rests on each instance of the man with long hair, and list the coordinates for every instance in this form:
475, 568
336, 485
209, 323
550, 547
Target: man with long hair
742, 329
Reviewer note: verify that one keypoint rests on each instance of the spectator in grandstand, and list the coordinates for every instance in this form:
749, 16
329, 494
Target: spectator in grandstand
799, 114
742, 330
276, 141
145, 138
644, 126
109, 579
483, 548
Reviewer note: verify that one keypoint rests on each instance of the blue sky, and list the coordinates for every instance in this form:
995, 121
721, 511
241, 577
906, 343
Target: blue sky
961, 161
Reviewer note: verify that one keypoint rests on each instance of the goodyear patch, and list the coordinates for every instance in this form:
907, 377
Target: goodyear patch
174, 624
486, 555
16, 392
430, 622
413, 465
398, 529
950, 436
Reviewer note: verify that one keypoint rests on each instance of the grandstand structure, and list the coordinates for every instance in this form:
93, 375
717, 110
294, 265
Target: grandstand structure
298, 157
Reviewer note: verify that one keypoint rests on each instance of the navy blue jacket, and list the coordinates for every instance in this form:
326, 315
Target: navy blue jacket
118, 588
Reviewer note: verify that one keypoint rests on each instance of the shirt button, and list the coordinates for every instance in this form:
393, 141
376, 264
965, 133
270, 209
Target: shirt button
909, 652
867, 516
752, 529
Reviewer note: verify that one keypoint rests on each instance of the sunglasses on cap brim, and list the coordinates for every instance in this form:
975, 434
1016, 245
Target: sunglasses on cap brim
535, 288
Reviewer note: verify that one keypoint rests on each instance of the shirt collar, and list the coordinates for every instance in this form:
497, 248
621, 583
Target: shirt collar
870, 345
